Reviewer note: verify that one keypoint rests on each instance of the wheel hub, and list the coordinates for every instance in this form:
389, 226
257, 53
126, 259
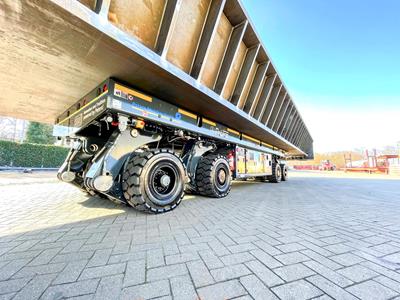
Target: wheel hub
221, 176
165, 180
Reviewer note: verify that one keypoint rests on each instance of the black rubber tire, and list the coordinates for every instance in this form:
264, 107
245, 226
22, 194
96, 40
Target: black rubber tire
276, 176
285, 171
209, 167
191, 189
139, 179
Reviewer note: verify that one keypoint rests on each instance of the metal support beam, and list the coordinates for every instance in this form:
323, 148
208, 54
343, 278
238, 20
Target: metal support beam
209, 30
271, 103
285, 121
230, 54
299, 135
264, 96
304, 142
277, 107
244, 73
291, 124
295, 130
255, 89
282, 112
102, 8
167, 25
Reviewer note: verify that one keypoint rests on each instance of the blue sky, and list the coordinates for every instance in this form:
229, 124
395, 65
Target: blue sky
340, 61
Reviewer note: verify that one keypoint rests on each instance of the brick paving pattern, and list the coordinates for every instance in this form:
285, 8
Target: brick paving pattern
313, 237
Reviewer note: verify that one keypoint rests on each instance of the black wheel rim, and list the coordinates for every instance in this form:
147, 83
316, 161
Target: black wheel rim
221, 179
278, 172
163, 181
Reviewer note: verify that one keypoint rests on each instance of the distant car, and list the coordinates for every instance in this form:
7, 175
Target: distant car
326, 165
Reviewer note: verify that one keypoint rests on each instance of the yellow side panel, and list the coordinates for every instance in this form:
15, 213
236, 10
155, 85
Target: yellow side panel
186, 34
240, 161
140, 18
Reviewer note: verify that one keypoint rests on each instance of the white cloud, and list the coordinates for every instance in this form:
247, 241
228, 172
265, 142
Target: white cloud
335, 129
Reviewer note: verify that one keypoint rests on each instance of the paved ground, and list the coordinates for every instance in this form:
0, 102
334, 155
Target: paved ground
312, 237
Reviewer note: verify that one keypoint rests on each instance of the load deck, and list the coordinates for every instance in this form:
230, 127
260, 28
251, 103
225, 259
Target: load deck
55, 51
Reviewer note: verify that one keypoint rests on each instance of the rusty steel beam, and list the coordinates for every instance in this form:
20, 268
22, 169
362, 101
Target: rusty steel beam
244, 73
232, 49
255, 89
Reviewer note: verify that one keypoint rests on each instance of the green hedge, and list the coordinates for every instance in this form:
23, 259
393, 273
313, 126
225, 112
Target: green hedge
31, 155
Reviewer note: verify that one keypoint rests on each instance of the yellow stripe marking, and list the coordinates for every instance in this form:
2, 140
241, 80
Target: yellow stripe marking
90, 102
267, 145
209, 122
250, 138
133, 93
186, 113
233, 131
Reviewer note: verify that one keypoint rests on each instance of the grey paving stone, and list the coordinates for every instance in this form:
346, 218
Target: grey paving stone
256, 288
386, 249
271, 250
166, 272
135, 273
73, 246
292, 258
394, 285
230, 272
381, 270
266, 259
317, 249
69, 257
292, 247
109, 288
237, 258
7, 296
35, 287
118, 258
330, 288
370, 288
100, 258
333, 276
212, 261
45, 257
20, 255
11, 268
347, 259
71, 272
293, 272
322, 260
181, 258
40, 270
339, 248
68, 290
182, 288
393, 258
199, 273
13, 285
299, 290
268, 277
155, 258
223, 290
358, 273
146, 291
96, 272
218, 248
240, 248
